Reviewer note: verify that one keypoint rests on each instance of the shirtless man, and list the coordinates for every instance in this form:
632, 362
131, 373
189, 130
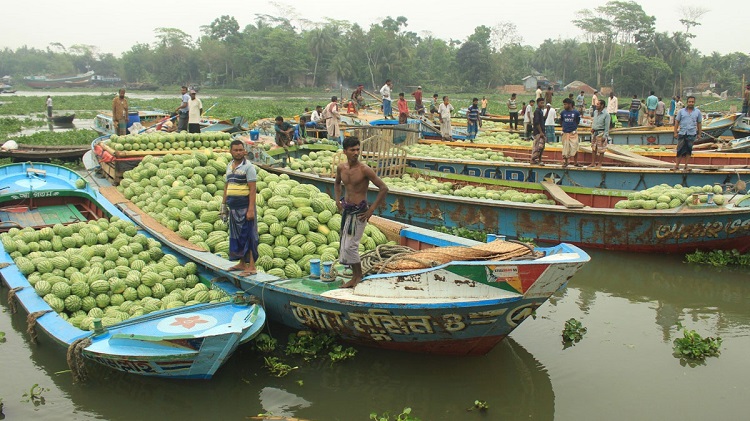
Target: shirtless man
355, 211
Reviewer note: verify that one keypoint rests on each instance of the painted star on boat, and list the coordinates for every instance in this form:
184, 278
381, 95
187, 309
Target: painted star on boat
188, 322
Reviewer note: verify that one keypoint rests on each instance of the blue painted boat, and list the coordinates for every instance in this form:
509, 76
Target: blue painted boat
584, 216
459, 307
648, 135
104, 125
189, 342
457, 133
612, 177
741, 127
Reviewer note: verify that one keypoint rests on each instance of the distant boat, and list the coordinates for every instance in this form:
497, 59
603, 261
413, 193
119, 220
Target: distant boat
741, 127
63, 119
43, 82
44, 152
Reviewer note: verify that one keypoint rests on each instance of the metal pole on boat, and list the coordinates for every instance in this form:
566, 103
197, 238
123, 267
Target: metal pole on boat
98, 327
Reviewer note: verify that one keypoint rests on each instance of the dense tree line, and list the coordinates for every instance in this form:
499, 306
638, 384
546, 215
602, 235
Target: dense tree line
620, 46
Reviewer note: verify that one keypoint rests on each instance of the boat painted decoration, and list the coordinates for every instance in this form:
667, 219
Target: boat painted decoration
187, 342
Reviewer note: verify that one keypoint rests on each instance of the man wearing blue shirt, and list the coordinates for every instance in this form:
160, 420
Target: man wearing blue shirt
651, 103
569, 119
687, 127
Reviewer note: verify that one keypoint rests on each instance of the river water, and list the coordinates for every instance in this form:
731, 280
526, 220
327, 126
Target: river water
623, 369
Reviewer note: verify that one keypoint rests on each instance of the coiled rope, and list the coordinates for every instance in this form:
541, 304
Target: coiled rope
76, 361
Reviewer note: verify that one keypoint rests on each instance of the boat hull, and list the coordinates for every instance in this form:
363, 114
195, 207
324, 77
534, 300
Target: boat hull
553, 153
679, 230
622, 178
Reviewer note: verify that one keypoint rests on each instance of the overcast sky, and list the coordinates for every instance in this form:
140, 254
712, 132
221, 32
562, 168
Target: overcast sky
116, 26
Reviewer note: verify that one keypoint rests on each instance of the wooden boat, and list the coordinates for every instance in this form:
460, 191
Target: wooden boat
741, 127
104, 125
63, 119
187, 342
233, 125
613, 156
741, 145
44, 152
664, 135
458, 307
632, 177
44, 82
582, 216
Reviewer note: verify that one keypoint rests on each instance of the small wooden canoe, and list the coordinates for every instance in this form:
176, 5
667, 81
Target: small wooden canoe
63, 119
45, 152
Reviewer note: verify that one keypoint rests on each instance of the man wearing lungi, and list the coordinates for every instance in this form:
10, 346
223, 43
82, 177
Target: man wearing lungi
688, 126
239, 200
599, 134
355, 211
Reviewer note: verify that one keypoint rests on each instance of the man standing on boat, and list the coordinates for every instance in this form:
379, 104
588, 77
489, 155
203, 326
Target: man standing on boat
612, 109
513, 112
484, 105
635, 106
569, 120
332, 118
661, 107
195, 111
239, 207
120, 113
355, 211
49, 106
549, 123
403, 109
580, 103
687, 127
182, 111
594, 102
473, 120
444, 112
538, 131
599, 134
746, 99
528, 118
651, 103
359, 101
672, 105
385, 91
418, 104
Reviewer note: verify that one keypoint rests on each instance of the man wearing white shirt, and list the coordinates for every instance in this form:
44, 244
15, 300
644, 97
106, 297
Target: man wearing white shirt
385, 91
444, 110
612, 109
195, 110
315, 116
528, 118
549, 123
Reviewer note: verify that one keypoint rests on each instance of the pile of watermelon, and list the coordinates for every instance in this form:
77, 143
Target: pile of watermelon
162, 141
296, 222
665, 196
104, 269
450, 152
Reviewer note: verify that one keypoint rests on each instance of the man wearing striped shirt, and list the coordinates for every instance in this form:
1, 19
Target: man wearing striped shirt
239, 201
473, 121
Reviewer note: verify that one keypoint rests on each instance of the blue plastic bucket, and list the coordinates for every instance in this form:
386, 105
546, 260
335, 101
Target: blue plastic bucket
326, 270
315, 268
254, 134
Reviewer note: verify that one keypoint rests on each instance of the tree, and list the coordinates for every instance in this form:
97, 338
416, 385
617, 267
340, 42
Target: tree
690, 16
223, 28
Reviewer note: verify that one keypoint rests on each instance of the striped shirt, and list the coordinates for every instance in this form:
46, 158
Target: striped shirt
237, 179
472, 114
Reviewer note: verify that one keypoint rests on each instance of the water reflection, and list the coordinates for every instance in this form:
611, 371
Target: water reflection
678, 290
437, 388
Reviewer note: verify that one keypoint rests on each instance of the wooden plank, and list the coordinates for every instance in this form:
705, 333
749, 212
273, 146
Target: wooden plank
559, 195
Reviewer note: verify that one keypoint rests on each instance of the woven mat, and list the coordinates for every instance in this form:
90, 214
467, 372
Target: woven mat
495, 251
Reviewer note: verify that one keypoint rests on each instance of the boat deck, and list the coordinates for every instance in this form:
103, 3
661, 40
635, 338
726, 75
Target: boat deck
47, 215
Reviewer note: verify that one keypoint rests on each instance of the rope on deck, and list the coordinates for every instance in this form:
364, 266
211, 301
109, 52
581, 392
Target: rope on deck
31, 320
75, 359
12, 299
